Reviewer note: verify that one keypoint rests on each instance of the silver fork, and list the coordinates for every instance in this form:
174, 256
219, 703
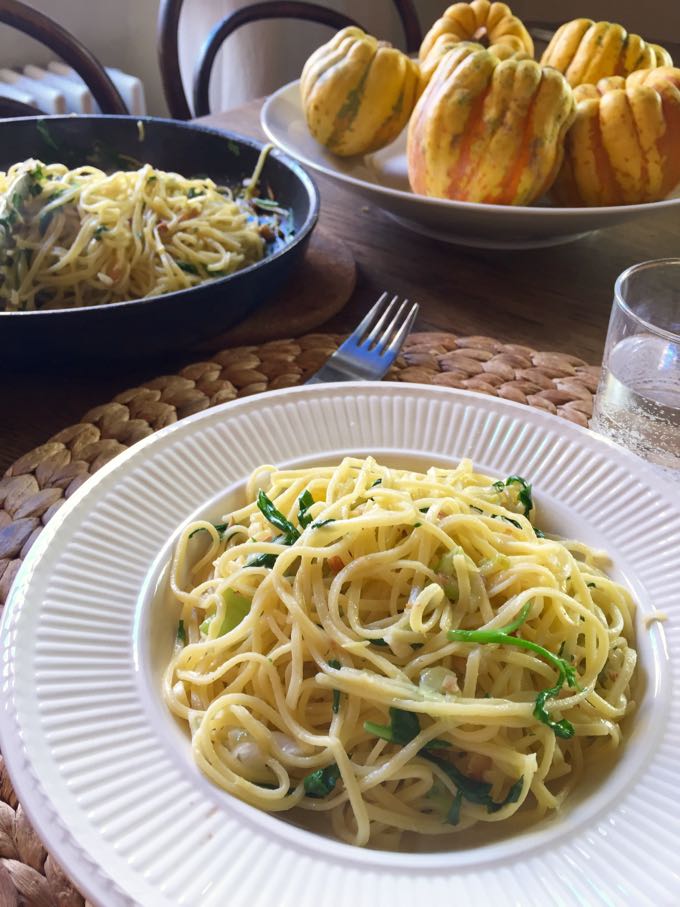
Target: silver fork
372, 346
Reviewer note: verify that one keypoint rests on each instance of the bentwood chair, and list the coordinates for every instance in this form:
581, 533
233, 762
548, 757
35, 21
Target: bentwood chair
168, 43
37, 25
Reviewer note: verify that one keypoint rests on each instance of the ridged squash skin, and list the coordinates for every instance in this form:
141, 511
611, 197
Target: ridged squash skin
624, 145
488, 130
447, 42
480, 21
358, 93
587, 51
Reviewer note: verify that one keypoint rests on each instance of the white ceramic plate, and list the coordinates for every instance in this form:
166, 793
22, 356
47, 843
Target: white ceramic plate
106, 775
382, 179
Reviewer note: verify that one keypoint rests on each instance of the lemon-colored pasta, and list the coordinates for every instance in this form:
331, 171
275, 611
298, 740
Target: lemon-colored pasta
359, 613
84, 237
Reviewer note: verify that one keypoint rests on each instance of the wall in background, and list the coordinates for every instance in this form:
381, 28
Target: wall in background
122, 33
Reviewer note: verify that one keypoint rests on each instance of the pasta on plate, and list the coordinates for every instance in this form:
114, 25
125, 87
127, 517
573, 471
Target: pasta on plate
83, 237
404, 652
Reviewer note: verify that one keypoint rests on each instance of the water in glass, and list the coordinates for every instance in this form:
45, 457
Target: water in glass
638, 402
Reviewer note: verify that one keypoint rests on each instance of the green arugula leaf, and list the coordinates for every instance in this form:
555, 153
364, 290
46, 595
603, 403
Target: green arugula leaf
334, 663
321, 782
496, 516
305, 501
221, 528
317, 524
181, 633
277, 519
524, 496
187, 266
563, 728
470, 789
502, 636
403, 727
474, 791
453, 815
437, 745
261, 560
512, 796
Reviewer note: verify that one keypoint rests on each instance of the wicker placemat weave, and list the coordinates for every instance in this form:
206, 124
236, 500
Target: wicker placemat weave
37, 484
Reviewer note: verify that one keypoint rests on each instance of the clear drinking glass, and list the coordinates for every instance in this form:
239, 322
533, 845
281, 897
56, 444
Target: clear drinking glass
638, 399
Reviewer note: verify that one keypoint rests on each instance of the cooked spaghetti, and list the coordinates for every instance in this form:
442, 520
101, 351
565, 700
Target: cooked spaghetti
403, 651
83, 237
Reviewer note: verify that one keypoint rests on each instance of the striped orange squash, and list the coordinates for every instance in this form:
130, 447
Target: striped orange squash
488, 130
358, 92
587, 51
624, 145
489, 24
447, 41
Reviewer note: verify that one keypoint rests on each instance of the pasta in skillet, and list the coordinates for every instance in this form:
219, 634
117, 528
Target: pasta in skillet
83, 237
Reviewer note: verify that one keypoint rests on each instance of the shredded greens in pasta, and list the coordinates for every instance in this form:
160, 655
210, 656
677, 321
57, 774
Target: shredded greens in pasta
84, 237
399, 651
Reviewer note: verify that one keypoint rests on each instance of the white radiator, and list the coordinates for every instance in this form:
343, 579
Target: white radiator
59, 89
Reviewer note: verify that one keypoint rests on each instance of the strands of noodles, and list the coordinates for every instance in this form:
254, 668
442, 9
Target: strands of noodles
84, 237
403, 651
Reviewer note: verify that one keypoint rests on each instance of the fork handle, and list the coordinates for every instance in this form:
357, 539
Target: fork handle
330, 372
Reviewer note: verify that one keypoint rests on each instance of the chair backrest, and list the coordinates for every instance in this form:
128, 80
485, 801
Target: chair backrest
168, 43
10, 107
37, 25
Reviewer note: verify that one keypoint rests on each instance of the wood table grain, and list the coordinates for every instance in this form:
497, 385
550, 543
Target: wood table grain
557, 298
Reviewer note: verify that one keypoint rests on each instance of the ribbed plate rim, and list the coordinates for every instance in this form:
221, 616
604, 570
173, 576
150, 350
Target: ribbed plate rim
97, 881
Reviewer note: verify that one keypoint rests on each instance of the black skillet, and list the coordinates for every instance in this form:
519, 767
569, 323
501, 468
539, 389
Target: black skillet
173, 321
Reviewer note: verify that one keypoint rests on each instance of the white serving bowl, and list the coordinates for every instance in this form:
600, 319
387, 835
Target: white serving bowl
382, 179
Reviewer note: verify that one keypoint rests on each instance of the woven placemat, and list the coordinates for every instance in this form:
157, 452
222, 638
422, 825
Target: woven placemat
38, 483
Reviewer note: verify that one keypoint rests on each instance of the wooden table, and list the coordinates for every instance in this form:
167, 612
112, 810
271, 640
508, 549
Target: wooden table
553, 299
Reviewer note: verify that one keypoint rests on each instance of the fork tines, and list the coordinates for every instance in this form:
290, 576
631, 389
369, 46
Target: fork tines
384, 326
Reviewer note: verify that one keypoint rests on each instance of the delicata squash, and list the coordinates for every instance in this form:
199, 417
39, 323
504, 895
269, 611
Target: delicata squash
587, 51
358, 92
490, 24
447, 42
488, 130
624, 145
